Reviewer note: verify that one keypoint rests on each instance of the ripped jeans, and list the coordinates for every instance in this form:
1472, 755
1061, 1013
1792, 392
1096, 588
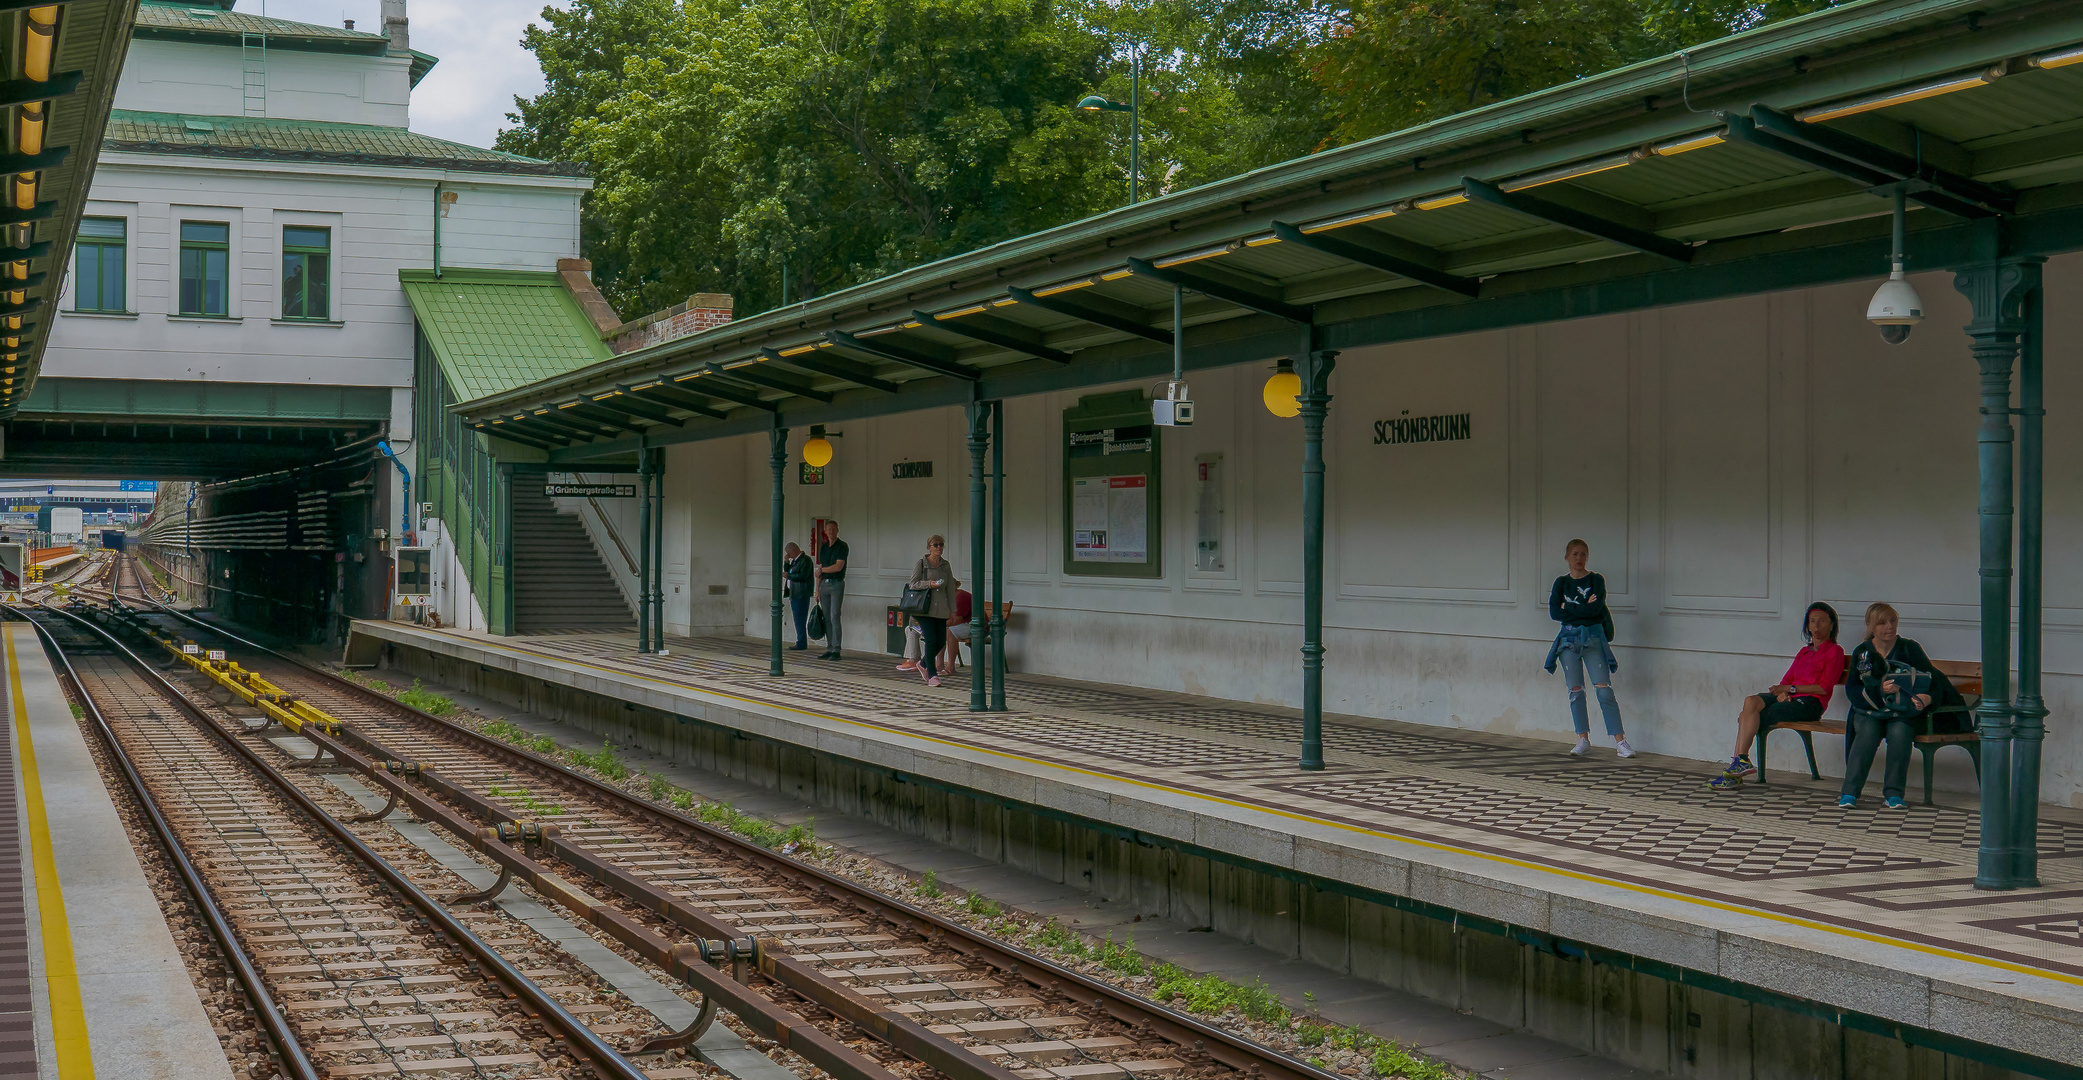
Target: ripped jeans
1587, 649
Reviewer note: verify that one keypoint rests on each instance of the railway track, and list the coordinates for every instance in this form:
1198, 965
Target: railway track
347, 965
858, 983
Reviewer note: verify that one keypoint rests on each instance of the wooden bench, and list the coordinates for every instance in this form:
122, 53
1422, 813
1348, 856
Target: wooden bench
1966, 677
990, 613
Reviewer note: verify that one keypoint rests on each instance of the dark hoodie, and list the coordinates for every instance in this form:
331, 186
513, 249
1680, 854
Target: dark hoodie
1867, 669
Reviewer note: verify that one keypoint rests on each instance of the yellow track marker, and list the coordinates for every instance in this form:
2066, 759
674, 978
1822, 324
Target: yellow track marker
61, 971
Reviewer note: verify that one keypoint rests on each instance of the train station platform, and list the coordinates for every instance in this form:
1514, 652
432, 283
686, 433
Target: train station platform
92, 983
1771, 889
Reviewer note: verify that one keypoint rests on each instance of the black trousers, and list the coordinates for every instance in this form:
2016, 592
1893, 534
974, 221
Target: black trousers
1867, 731
932, 639
799, 603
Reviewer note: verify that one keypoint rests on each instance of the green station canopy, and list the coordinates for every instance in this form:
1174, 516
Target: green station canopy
494, 330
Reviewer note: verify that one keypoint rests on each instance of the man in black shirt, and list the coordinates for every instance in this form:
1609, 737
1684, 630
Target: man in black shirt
831, 586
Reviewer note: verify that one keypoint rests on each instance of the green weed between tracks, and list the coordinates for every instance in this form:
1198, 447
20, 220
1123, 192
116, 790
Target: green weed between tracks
1213, 995
607, 761
426, 700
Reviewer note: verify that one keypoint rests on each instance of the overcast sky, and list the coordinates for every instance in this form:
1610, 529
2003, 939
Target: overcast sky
483, 66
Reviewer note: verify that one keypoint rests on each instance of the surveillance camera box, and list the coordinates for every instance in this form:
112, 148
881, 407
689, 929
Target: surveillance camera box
1171, 413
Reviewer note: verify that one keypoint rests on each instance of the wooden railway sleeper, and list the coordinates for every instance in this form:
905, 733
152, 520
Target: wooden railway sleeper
690, 962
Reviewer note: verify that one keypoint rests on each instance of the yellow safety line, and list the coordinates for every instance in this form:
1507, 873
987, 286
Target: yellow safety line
61, 971
1595, 879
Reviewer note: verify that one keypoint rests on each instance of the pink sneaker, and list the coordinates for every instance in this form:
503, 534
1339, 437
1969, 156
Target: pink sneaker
934, 681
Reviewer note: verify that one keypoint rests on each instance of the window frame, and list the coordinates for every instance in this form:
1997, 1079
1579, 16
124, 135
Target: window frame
323, 293
82, 243
202, 248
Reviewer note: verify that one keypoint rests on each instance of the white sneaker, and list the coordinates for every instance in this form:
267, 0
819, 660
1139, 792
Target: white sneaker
1620, 744
1583, 747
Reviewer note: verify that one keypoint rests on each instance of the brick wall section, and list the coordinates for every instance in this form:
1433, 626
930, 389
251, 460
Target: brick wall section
700, 312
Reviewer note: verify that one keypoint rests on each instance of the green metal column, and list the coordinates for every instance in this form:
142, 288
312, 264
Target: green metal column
2029, 725
979, 441
1315, 401
643, 547
1997, 287
658, 551
777, 456
976, 596
502, 620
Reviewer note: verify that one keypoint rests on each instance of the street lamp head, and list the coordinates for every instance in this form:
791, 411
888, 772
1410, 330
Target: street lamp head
1095, 103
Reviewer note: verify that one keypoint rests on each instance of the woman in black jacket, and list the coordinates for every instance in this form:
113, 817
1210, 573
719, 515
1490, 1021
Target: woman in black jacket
797, 569
1890, 682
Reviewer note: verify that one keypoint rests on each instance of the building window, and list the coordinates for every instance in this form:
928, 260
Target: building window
205, 262
100, 280
307, 279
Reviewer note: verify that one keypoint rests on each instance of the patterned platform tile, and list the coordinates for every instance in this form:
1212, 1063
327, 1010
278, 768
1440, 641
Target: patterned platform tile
1721, 849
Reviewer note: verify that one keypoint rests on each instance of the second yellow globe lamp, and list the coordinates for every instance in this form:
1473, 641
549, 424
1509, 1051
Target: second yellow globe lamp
817, 453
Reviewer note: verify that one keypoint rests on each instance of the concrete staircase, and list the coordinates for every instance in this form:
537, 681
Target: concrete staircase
559, 581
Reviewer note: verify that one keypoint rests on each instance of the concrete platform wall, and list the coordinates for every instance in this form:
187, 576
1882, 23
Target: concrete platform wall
1728, 462
1651, 1023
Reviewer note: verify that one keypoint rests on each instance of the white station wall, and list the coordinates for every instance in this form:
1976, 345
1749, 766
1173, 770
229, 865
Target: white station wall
1728, 462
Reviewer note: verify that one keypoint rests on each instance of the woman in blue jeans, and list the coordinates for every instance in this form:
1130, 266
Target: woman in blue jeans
1578, 602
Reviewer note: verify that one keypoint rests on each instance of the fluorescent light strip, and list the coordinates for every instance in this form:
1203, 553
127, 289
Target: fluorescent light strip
1567, 172
1116, 275
1434, 202
1195, 255
2059, 59
1063, 288
799, 350
970, 310
1360, 218
1683, 143
1261, 240
1901, 97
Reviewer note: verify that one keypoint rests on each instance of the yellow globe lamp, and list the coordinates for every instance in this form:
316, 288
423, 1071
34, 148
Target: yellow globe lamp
817, 453
1283, 389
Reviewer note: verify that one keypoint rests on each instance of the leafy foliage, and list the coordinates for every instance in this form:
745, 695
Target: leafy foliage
781, 149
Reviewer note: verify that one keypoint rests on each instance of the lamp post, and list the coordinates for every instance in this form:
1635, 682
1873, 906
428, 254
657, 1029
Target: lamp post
1096, 103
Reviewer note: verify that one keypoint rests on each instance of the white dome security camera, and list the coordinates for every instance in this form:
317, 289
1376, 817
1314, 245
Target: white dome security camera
1895, 308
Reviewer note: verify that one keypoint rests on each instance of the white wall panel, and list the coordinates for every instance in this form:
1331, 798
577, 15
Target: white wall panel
1583, 394
1717, 480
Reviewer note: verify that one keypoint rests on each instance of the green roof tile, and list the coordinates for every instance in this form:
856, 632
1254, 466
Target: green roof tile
494, 330
308, 140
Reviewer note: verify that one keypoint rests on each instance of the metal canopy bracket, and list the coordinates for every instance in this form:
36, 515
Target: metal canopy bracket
1227, 293
717, 388
682, 399
562, 426
1092, 313
641, 410
1379, 260
757, 375
24, 91
602, 415
1950, 188
838, 367
1578, 221
1742, 129
507, 431
992, 331
904, 354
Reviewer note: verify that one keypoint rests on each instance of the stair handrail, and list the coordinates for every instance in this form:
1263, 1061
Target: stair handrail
612, 534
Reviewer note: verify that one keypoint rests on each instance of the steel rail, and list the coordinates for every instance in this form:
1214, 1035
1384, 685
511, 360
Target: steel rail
273, 1019
583, 1040
1040, 972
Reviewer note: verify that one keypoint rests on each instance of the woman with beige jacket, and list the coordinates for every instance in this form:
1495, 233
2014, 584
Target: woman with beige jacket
935, 575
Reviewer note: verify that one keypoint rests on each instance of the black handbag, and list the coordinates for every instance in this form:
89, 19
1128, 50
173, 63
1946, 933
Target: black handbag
915, 601
816, 629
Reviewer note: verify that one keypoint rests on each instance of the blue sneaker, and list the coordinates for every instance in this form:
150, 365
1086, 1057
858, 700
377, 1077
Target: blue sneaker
1847, 801
1895, 802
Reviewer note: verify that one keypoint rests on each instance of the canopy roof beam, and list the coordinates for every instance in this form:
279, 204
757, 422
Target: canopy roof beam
655, 412
513, 432
906, 354
1947, 190
682, 399
995, 331
1375, 258
731, 392
759, 375
613, 418
563, 427
1578, 221
1097, 310
1224, 291
819, 361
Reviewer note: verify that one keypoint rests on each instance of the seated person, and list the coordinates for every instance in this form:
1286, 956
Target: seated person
1892, 684
1800, 696
957, 630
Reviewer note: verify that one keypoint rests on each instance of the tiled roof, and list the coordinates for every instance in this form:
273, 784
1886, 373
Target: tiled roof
308, 140
494, 330
209, 20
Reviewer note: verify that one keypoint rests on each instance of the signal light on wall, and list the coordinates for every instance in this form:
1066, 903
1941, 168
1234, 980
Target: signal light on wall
1282, 389
817, 453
